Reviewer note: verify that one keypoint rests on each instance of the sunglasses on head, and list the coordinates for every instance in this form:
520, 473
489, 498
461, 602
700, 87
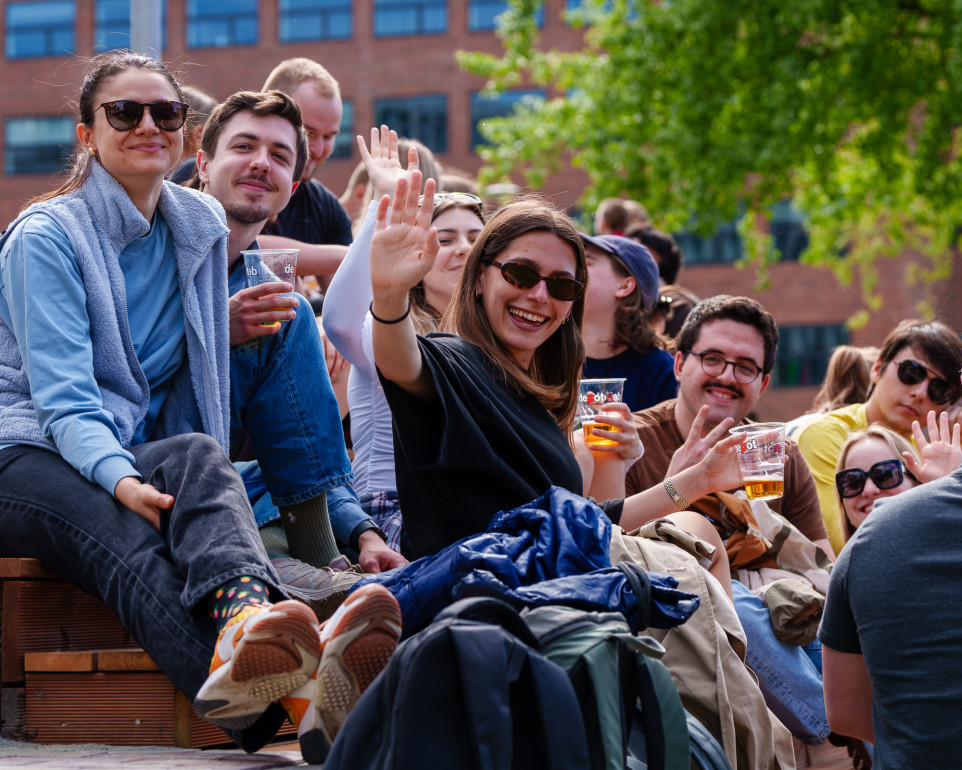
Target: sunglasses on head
885, 475
525, 277
912, 373
125, 115
458, 197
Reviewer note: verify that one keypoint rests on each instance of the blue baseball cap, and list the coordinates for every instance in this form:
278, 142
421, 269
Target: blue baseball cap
636, 259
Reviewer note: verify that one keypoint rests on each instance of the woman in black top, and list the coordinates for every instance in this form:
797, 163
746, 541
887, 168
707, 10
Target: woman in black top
484, 415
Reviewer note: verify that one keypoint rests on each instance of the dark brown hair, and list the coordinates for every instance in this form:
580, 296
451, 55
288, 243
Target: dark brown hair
725, 307
936, 341
100, 69
261, 104
556, 366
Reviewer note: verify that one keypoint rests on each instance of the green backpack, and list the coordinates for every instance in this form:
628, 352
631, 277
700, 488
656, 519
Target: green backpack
612, 670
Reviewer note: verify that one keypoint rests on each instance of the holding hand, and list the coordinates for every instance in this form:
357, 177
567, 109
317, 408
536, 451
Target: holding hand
268, 303
626, 441
941, 452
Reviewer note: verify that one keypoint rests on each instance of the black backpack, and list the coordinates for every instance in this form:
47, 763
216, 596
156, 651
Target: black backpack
469, 691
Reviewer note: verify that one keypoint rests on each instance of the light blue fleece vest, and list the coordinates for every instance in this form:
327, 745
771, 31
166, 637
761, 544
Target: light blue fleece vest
100, 220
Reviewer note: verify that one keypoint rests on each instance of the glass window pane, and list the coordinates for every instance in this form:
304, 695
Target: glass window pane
314, 20
424, 118
221, 23
40, 29
410, 17
483, 14
484, 107
803, 353
112, 19
344, 141
38, 145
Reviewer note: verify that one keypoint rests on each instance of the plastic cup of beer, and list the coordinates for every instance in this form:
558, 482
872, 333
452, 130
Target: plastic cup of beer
594, 395
270, 266
761, 457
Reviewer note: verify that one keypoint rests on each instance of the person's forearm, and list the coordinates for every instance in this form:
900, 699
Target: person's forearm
320, 259
655, 502
396, 350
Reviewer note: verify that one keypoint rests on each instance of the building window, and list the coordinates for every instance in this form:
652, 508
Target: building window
424, 118
410, 17
483, 14
40, 29
221, 23
788, 230
113, 24
499, 105
38, 145
724, 246
803, 353
314, 20
344, 141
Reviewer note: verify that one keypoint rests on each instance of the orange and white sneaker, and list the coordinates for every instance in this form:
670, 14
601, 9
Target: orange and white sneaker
356, 644
262, 654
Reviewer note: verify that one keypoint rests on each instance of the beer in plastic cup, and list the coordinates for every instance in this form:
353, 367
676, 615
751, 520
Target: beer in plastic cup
761, 458
594, 395
269, 266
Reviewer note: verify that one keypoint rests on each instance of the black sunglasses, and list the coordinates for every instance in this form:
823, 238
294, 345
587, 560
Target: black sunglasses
912, 373
885, 475
125, 115
525, 277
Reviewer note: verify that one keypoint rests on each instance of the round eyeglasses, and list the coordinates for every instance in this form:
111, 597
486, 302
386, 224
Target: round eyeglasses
745, 372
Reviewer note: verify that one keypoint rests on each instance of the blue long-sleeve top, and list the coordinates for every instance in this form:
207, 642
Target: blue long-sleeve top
44, 299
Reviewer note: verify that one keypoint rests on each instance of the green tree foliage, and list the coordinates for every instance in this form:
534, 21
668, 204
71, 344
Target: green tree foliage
703, 109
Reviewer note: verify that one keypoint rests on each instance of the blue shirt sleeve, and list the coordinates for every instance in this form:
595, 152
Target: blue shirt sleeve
45, 306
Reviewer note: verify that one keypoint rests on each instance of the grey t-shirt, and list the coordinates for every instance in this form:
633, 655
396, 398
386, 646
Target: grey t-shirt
896, 598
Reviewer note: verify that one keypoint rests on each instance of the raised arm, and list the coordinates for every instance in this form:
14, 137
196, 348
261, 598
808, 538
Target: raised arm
349, 295
941, 452
402, 252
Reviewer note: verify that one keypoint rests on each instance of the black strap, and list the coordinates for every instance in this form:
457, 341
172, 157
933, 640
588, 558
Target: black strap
640, 585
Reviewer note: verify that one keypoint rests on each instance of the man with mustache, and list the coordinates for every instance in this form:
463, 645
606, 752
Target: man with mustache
726, 351
252, 150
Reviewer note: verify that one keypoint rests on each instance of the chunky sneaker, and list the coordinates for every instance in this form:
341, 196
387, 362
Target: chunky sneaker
263, 653
356, 643
323, 588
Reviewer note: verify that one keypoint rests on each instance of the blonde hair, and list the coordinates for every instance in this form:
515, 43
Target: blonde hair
896, 442
291, 73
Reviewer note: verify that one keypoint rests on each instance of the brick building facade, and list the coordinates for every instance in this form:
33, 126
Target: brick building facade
394, 59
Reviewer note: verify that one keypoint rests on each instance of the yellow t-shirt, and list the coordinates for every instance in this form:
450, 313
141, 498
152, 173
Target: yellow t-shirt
821, 443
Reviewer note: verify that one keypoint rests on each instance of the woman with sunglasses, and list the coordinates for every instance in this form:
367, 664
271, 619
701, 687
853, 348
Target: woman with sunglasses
878, 462
483, 418
114, 409
917, 371
347, 323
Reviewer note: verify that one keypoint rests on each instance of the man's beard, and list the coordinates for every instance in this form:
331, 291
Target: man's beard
248, 213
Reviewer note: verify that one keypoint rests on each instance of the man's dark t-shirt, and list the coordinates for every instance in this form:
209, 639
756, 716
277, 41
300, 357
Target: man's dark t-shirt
313, 215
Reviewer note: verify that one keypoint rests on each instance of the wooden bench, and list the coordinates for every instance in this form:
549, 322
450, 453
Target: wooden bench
70, 672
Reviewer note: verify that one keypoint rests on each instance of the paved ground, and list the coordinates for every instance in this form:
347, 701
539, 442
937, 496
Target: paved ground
89, 757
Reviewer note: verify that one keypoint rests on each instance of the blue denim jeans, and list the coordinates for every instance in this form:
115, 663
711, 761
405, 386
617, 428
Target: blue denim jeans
281, 396
156, 583
787, 677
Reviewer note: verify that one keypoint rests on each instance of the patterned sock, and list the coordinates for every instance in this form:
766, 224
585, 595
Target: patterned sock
234, 596
308, 529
